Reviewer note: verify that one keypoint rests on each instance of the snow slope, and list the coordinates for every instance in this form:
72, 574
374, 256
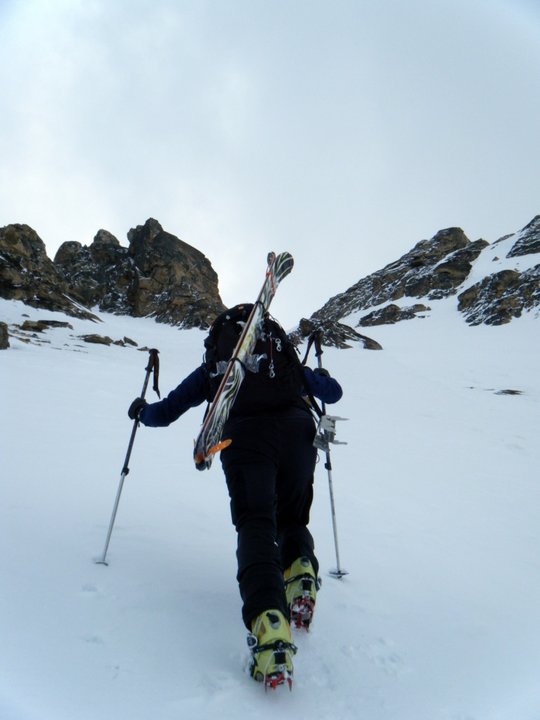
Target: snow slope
437, 497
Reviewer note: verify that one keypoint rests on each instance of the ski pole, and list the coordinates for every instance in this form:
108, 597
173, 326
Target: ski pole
328, 432
153, 365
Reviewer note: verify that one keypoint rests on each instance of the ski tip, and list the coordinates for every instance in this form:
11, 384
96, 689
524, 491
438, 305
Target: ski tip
288, 261
282, 258
283, 265
203, 461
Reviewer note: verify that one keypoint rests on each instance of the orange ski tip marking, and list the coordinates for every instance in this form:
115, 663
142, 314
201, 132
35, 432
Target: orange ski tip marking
201, 457
220, 446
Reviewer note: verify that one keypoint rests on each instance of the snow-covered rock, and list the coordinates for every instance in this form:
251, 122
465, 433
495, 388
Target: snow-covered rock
489, 289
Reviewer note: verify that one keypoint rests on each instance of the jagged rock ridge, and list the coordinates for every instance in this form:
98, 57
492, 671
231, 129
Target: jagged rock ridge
99, 275
158, 275
27, 274
432, 269
176, 283
436, 269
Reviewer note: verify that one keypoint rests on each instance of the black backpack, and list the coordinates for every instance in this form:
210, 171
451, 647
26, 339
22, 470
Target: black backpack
274, 375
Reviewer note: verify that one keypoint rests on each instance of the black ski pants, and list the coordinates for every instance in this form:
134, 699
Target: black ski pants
269, 469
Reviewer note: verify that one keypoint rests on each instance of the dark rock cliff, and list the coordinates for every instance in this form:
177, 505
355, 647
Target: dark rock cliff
158, 275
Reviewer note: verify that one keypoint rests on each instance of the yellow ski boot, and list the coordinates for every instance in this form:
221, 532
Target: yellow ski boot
301, 585
270, 643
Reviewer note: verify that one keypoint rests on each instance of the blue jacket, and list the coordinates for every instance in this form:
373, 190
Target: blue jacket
193, 391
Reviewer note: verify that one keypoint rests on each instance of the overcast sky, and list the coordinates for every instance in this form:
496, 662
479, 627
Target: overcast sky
343, 131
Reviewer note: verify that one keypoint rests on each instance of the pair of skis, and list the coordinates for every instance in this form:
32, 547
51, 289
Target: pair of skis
210, 440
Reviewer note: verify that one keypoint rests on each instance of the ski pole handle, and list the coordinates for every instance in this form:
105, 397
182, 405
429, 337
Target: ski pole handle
153, 365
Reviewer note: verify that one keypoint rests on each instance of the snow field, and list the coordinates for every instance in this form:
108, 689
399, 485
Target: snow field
438, 521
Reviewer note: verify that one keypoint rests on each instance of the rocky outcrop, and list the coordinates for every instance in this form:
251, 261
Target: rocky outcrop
158, 275
4, 336
528, 240
391, 314
449, 274
42, 325
175, 282
440, 268
334, 334
101, 275
432, 269
95, 339
506, 294
27, 274
500, 297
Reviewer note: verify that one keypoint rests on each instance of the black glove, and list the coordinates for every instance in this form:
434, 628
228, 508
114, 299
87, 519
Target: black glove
135, 408
321, 371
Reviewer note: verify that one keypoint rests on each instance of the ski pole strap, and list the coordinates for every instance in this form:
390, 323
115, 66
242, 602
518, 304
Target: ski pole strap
309, 346
314, 339
317, 339
153, 366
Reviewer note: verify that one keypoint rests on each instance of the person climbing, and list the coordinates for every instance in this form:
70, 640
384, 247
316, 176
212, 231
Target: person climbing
269, 470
